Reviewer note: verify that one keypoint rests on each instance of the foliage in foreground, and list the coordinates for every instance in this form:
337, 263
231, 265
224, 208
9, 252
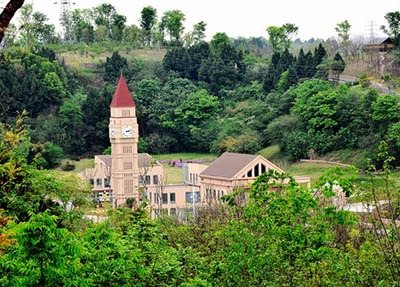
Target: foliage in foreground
282, 235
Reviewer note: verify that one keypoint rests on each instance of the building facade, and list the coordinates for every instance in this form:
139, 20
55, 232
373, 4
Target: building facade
128, 174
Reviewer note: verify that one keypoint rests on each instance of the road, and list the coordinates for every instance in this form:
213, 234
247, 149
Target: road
345, 79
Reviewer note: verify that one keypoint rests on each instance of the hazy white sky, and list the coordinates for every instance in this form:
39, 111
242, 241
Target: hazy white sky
315, 18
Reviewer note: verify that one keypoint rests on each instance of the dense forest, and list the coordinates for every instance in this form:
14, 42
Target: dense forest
225, 94
198, 96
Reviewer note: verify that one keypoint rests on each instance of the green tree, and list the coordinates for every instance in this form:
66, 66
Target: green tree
147, 21
280, 37
343, 29
114, 66
393, 29
45, 255
173, 20
199, 32
338, 66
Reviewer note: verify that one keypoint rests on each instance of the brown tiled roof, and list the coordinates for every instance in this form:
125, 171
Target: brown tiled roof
228, 164
106, 159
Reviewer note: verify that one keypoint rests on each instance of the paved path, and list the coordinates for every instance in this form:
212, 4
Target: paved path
379, 86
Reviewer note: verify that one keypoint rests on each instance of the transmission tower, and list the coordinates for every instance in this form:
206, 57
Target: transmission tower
371, 30
65, 18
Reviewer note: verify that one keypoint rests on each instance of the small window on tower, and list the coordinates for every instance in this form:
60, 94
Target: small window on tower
127, 149
125, 113
128, 165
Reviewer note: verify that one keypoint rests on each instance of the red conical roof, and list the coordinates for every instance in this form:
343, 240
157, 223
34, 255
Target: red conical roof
122, 96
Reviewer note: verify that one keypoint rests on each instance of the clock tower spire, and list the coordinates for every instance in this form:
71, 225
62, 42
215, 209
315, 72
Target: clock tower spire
124, 137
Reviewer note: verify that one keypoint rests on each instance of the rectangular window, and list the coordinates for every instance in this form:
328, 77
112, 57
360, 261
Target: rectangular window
172, 212
197, 178
155, 179
250, 173
219, 195
188, 197
125, 113
256, 171
165, 211
128, 186
98, 182
165, 198
172, 198
214, 195
206, 194
140, 180
156, 199
191, 177
197, 197
107, 182
91, 181
150, 196
127, 149
128, 165
147, 179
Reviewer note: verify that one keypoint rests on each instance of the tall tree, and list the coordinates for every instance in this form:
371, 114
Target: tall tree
393, 30
173, 22
7, 14
338, 66
343, 29
280, 37
147, 21
198, 33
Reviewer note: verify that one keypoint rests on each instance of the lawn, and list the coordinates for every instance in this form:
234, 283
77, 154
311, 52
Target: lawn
80, 165
174, 175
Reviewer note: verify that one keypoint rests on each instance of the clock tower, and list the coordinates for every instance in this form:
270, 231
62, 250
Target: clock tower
124, 137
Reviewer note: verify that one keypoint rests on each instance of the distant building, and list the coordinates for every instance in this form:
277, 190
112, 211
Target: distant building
379, 45
128, 174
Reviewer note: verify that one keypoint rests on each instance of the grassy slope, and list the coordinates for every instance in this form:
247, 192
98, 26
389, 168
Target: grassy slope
79, 165
174, 174
76, 58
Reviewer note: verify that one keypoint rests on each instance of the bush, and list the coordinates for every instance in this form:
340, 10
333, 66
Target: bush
68, 166
52, 154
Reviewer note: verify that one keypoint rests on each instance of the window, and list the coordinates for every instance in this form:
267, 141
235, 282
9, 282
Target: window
107, 182
222, 193
197, 178
191, 177
206, 194
172, 212
128, 165
263, 169
165, 211
147, 179
98, 182
197, 197
256, 170
215, 194
127, 149
155, 179
165, 198
91, 181
219, 195
156, 199
250, 173
172, 198
128, 185
150, 196
140, 180
188, 197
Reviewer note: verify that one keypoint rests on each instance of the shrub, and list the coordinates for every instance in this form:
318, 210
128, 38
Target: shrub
68, 166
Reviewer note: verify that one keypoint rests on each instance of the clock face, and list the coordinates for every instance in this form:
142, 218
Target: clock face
127, 131
112, 131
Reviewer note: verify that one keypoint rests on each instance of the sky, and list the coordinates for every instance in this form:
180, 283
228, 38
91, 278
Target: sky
248, 18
